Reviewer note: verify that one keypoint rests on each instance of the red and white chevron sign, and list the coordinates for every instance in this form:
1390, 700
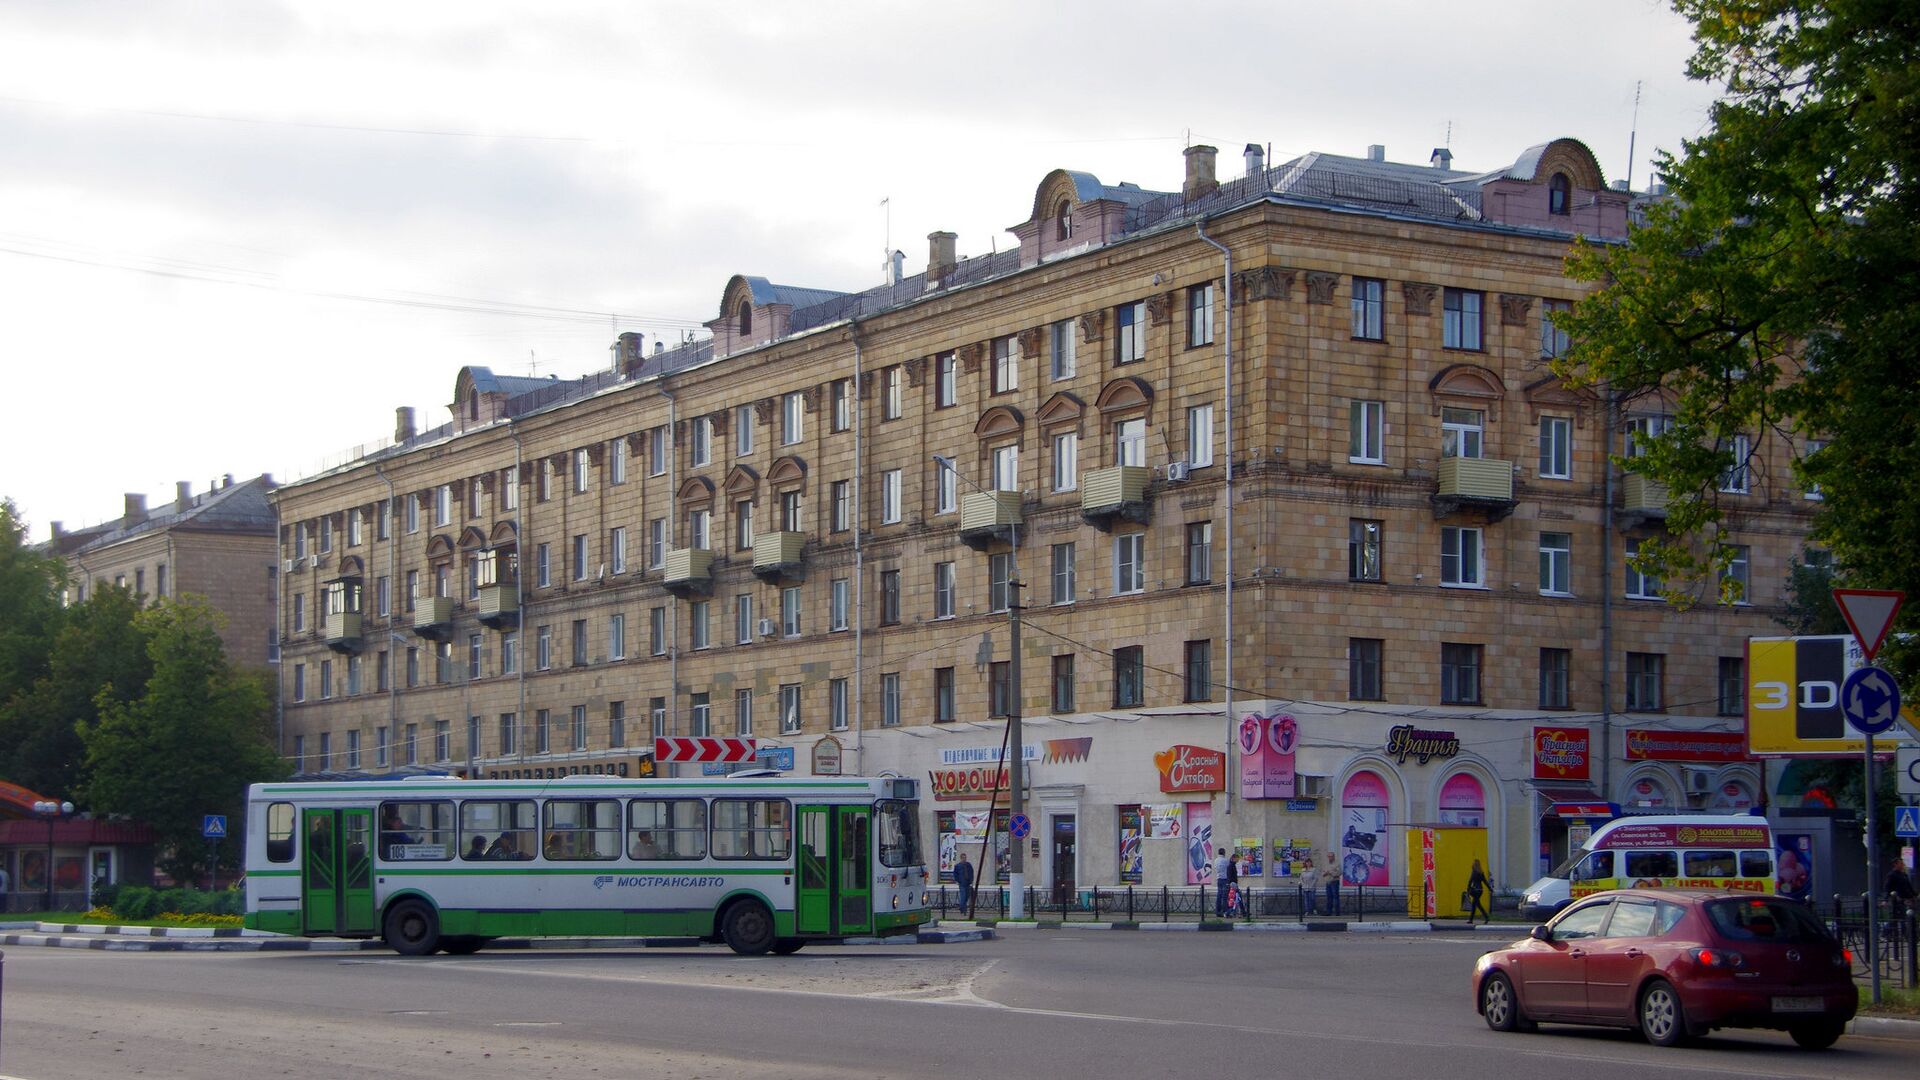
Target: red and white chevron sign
701, 748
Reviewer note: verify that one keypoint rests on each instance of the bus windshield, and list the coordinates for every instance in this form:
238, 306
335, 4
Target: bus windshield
899, 836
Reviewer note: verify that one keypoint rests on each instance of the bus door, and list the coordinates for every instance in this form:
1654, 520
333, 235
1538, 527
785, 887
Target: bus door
834, 893
853, 881
813, 893
336, 871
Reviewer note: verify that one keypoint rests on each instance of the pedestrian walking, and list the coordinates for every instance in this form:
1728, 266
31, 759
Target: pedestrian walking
1900, 891
1332, 873
1478, 883
1222, 881
1309, 886
6, 886
963, 883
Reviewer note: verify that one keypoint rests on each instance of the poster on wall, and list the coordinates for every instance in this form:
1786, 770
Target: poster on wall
1463, 801
1267, 746
1131, 829
1199, 843
1164, 821
1251, 851
1793, 864
1363, 830
949, 854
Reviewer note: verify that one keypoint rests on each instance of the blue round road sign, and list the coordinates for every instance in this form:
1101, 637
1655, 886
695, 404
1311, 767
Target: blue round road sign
1020, 826
1871, 700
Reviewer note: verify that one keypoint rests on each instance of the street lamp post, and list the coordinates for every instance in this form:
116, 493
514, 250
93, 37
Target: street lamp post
1016, 764
50, 812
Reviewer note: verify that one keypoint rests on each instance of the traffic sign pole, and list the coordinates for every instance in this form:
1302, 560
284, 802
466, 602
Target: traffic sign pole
1873, 879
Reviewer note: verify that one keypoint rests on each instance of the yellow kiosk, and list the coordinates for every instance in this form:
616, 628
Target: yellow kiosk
1439, 860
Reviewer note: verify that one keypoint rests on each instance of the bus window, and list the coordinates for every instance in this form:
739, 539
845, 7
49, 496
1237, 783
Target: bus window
1710, 863
1756, 864
1652, 864
280, 832
667, 829
513, 824
751, 829
580, 829
416, 831
899, 838
1597, 866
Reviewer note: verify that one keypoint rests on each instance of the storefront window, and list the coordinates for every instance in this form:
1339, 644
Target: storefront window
1200, 843
1733, 795
1131, 830
1649, 791
964, 830
1364, 803
1463, 801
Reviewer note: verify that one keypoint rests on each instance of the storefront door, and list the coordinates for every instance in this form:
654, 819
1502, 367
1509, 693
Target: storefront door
336, 872
1063, 858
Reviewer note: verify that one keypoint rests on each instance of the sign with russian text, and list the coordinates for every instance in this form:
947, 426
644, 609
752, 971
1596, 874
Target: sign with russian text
1406, 741
1267, 745
1191, 768
826, 757
985, 755
1689, 835
1647, 744
1561, 753
978, 782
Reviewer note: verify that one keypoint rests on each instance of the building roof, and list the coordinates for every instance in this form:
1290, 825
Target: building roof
237, 508
486, 382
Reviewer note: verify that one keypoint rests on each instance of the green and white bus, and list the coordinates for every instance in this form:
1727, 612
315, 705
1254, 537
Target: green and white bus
764, 863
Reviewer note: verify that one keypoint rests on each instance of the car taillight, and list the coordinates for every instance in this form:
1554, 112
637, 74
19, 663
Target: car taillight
1843, 958
1720, 959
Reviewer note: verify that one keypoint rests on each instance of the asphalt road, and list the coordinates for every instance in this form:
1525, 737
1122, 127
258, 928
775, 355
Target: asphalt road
1045, 1004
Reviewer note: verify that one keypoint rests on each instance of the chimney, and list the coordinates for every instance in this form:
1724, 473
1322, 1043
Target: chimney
628, 352
1657, 188
940, 258
896, 267
1619, 185
659, 346
1442, 158
136, 508
226, 481
1376, 152
59, 529
403, 423
1200, 182
1256, 160
182, 495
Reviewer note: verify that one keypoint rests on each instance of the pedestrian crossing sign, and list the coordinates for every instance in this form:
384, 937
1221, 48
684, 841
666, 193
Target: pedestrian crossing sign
213, 826
1906, 821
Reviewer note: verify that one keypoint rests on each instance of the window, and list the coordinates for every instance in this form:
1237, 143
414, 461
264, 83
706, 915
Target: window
579, 563
616, 637
1200, 436
889, 597
1732, 686
699, 714
413, 513
1199, 673
1366, 432
1813, 446
1200, 315
743, 713
656, 543
382, 597
1066, 461
413, 668
476, 656
890, 393
943, 590
1062, 576
667, 828
1645, 672
1129, 563
1556, 448
943, 381
581, 471
743, 618
326, 536
1006, 468
356, 530
542, 565
1553, 340
1642, 429
657, 451
580, 830
702, 453
1559, 194
1737, 476
1006, 367
790, 419
299, 682
1736, 584
842, 505
1462, 327
1199, 552
1129, 671
579, 741
790, 611
1640, 586
657, 717
699, 529
837, 704
1460, 674
617, 461
1363, 668
790, 511
1363, 549
837, 604
326, 749
840, 392
1367, 308
473, 497
509, 653
1555, 679
299, 611
382, 675
999, 581
1462, 433
1556, 563
1000, 688
789, 708
751, 829
383, 519
742, 430
743, 525
442, 741
326, 679
1130, 333
1062, 683
543, 648
1130, 442
544, 489
1060, 349
947, 499
943, 695
1460, 562
617, 549
697, 624
889, 699
890, 497
542, 732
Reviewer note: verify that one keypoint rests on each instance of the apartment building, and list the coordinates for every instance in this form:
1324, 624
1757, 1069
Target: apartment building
1276, 455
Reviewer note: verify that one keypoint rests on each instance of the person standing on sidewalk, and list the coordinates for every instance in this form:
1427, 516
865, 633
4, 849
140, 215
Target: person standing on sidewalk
963, 883
1332, 874
1309, 886
1222, 881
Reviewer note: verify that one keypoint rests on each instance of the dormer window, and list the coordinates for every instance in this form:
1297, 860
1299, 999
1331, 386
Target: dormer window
1559, 194
473, 408
1063, 221
746, 317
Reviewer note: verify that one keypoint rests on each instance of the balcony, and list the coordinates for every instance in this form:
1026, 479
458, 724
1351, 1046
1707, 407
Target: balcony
499, 605
688, 572
341, 629
1474, 485
433, 617
1643, 501
776, 555
1115, 494
988, 517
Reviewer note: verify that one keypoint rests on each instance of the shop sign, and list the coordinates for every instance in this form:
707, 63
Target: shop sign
983, 755
1406, 741
1689, 835
1165, 820
1302, 806
1561, 753
1191, 768
1647, 744
1267, 745
826, 757
978, 782
764, 757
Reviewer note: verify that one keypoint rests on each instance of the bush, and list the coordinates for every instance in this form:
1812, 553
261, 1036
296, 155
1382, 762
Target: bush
104, 895
140, 903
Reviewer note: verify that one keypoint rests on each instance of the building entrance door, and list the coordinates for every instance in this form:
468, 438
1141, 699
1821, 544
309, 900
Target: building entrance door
1063, 858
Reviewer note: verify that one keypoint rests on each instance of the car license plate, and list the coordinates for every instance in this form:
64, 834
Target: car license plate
1799, 1004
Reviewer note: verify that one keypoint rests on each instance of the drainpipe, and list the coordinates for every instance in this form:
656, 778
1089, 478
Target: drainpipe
859, 571
519, 596
393, 684
1226, 378
1606, 603
673, 610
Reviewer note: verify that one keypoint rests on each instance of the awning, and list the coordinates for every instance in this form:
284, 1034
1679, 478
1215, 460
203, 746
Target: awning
1573, 801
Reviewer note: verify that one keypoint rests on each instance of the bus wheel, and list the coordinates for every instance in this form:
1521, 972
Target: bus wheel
461, 946
747, 928
412, 928
787, 946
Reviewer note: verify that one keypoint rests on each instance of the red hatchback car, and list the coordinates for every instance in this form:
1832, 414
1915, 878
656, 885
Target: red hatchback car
1675, 964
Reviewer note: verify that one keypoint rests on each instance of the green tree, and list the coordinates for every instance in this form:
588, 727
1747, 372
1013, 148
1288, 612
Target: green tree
29, 605
99, 654
1774, 294
1810, 608
189, 744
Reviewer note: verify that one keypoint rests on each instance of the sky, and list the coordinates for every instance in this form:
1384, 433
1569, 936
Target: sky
234, 236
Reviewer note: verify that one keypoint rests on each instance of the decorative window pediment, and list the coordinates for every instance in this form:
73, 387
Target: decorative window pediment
503, 535
742, 482
788, 472
1468, 381
1122, 395
439, 547
1061, 409
471, 538
999, 422
696, 489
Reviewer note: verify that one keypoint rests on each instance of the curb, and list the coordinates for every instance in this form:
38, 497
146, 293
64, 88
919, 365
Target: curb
201, 939
1386, 926
1884, 1027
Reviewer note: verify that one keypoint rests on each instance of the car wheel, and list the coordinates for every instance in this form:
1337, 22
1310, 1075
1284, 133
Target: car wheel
748, 928
786, 946
1663, 1021
1501, 1006
1817, 1034
412, 928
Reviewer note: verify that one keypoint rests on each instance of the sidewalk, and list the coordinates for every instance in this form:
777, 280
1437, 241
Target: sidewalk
235, 939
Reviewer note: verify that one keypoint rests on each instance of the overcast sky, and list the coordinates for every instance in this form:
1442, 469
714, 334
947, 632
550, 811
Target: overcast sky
234, 236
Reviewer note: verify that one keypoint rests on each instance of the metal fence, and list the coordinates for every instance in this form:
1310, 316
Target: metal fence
1847, 917
1169, 903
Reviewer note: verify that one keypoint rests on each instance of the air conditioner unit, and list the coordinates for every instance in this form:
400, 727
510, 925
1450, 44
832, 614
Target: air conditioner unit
766, 627
1178, 471
1311, 787
313, 560
286, 566
1699, 781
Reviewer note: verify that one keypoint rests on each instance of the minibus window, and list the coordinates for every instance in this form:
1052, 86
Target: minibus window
1597, 867
1756, 864
1709, 863
1652, 864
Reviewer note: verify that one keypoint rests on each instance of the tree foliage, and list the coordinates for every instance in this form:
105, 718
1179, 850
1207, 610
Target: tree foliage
1774, 295
29, 605
99, 654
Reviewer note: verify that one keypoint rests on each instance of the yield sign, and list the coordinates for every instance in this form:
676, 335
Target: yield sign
1869, 613
702, 748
